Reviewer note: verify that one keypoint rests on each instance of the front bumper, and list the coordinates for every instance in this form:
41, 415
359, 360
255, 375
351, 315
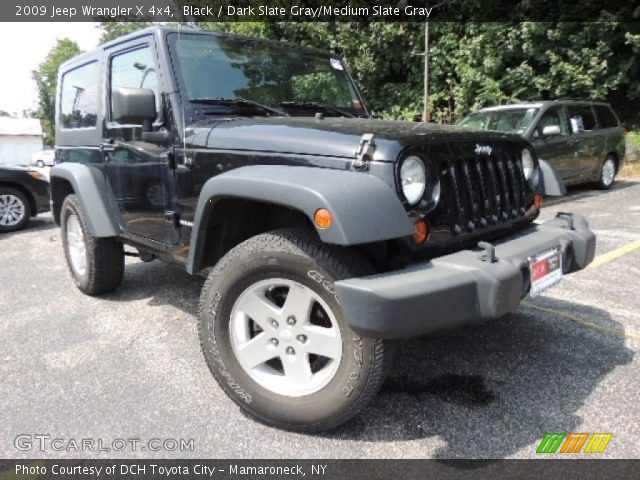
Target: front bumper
461, 288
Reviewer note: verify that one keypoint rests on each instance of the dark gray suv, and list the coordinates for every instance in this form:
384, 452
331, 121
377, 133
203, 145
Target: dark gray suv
584, 140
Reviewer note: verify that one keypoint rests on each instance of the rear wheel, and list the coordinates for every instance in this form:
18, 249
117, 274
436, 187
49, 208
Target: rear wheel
15, 209
96, 264
275, 337
607, 173
40, 164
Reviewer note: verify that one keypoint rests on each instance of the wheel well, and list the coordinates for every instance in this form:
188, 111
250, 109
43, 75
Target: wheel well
233, 220
26, 192
60, 188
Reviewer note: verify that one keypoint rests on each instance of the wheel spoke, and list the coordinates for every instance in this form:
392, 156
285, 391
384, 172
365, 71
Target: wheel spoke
298, 302
258, 308
256, 351
323, 341
297, 368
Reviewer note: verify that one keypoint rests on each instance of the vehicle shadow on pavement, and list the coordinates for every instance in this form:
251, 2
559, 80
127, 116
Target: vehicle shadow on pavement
579, 192
492, 390
162, 284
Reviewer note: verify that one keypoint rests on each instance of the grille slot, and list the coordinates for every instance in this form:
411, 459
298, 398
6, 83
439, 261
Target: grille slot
486, 189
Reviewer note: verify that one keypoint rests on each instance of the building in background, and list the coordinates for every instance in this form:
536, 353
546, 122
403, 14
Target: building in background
20, 138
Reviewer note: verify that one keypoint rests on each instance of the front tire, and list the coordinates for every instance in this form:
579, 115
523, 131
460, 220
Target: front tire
608, 172
276, 340
96, 264
15, 209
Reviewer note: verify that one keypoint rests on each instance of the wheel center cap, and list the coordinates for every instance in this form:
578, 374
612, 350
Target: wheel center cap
286, 336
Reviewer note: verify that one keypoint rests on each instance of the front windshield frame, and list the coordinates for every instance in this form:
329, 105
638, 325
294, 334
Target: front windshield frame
528, 113
199, 108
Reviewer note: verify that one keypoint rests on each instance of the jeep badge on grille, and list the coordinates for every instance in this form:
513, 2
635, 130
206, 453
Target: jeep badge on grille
483, 149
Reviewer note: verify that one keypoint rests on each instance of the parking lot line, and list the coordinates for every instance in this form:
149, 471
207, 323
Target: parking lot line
613, 254
613, 331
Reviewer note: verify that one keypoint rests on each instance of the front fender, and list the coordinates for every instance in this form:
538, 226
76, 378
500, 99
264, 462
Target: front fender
364, 208
550, 182
90, 186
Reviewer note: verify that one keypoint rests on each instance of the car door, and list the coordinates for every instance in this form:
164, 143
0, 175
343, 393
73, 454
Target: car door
585, 141
137, 171
556, 149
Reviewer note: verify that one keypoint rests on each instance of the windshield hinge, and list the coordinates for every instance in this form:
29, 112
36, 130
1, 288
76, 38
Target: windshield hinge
365, 151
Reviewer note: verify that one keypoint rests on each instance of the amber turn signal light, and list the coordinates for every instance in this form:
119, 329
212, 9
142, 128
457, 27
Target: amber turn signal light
420, 231
323, 218
537, 201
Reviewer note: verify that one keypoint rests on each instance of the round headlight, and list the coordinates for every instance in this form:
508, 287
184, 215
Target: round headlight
413, 179
527, 164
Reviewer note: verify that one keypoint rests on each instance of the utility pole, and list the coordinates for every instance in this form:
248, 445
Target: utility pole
425, 110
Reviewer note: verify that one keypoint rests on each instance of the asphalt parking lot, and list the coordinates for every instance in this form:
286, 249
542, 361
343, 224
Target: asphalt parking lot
128, 364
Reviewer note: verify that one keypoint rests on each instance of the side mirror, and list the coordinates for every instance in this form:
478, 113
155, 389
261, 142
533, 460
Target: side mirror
551, 131
136, 106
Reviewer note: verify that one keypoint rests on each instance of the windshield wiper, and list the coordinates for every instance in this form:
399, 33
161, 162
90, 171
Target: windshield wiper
293, 103
237, 101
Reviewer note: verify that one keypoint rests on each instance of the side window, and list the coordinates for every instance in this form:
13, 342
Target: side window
606, 116
581, 118
552, 117
80, 155
79, 99
135, 69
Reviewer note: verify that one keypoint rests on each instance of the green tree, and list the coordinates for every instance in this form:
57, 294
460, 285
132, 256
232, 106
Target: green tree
111, 30
472, 65
46, 77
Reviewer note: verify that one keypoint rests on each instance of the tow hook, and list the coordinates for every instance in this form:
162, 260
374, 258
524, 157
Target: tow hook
568, 218
489, 252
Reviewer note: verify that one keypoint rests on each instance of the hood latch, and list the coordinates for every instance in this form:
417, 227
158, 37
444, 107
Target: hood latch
365, 151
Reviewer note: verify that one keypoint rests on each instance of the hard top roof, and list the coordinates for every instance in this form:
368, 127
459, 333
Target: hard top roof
161, 30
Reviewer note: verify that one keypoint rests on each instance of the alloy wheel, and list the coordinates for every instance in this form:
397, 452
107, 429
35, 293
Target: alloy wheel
76, 245
12, 210
608, 171
285, 337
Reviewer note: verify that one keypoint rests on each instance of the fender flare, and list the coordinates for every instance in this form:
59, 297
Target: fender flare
550, 182
365, 209
90, 186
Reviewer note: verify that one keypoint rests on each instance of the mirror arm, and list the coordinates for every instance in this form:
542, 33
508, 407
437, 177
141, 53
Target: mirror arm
161, 137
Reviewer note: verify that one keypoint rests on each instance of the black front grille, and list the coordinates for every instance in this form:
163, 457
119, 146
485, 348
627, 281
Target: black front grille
486, 189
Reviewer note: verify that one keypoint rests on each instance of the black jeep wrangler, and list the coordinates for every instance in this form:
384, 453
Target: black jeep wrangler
324, 234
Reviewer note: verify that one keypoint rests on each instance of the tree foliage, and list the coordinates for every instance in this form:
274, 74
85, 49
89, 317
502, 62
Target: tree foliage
113, 30
46, 77
471, 64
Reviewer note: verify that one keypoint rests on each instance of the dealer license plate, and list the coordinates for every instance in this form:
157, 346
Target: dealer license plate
546, 270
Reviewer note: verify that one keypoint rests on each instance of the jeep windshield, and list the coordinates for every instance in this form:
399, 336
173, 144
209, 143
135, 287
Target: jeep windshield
252, 77
508, 120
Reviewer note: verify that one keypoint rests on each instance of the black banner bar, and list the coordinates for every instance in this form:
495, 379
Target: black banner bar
319, 10
320, 469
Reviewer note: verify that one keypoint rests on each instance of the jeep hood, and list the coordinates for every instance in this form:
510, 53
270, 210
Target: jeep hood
330, 136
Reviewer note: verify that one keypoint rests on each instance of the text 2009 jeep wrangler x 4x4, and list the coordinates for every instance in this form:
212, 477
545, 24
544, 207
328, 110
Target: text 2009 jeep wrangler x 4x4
326, 234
